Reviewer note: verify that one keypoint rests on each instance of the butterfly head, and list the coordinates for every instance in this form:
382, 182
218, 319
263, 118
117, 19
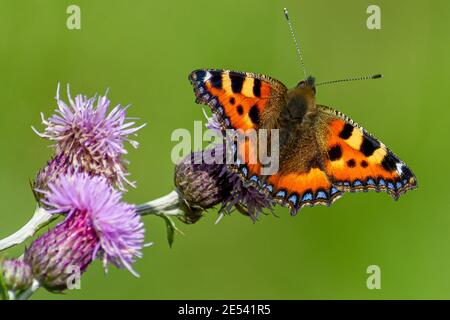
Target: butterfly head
309, 83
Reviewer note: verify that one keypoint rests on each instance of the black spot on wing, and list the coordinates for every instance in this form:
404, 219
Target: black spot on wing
257, 88
351, 163
236, 82
389, 163
198, 75
216, 79
240, 110
254, 114
346, 131
369, 145
335, 153
232, 100
406, 172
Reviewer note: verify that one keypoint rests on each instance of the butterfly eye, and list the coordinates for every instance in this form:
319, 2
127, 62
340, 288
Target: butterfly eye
308, 83
301, 84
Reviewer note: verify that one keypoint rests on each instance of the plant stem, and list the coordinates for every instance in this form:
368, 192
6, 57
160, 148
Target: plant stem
27, 294
40, 219
3, 289
168, 205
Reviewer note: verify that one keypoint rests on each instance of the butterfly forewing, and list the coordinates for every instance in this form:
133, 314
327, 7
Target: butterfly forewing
241, 101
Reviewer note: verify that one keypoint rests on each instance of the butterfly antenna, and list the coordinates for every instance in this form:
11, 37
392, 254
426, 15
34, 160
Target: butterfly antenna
374, 76
297, 47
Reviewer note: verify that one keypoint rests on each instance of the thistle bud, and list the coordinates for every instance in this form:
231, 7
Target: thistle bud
16, 274
60, 252
199, 185
57, 166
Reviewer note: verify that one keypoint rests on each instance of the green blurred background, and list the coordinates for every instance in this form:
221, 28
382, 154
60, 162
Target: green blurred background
144, 50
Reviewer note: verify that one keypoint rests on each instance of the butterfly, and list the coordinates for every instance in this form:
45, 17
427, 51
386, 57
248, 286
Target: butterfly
322, 152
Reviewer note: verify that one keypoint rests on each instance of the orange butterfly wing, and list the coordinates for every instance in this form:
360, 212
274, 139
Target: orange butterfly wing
298, 189
241, 101
356, 161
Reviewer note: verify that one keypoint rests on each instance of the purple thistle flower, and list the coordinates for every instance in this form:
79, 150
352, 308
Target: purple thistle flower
66, 249
58, 165
98, 224
91, 136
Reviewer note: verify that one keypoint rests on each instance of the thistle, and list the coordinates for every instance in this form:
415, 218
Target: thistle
97, 225
88, 137
16, 274
206, 184
200, 185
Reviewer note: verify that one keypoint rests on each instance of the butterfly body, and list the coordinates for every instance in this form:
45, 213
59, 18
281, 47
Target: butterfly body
322, 152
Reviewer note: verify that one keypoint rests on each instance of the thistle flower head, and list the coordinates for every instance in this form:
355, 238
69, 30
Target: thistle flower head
57, 166
98, 224
62, 252
16, 274
246, 198
199, 184
91, 135
204, 183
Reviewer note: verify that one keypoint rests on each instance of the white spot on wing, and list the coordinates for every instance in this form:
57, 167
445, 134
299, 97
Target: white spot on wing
208, 75
399, 166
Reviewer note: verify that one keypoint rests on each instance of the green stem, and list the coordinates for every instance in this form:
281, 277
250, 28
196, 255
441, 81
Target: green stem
27, 293
3, 288
40, 219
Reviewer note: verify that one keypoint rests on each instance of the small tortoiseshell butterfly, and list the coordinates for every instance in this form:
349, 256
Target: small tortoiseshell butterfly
323, 153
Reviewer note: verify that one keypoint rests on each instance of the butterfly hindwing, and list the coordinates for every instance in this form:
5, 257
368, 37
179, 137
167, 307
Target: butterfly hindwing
356, 161
298, 189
